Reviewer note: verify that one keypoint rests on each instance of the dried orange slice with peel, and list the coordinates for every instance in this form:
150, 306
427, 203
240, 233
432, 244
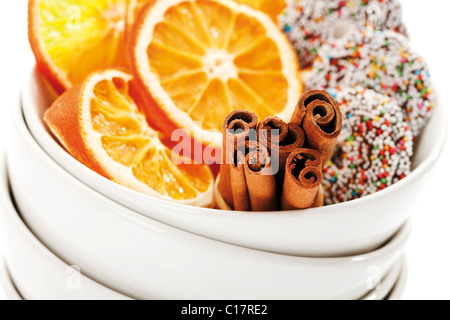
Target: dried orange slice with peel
197, 60
134, 8
99, 123
272, 7
72, 38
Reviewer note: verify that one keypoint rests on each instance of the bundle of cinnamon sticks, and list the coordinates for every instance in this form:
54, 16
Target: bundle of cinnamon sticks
273, 165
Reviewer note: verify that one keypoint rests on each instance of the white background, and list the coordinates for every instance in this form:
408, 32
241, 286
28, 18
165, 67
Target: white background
428, 23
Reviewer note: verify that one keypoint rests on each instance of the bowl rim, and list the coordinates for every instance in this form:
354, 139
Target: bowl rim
28, 108
399, 287
8, 283
392, 277
392, 245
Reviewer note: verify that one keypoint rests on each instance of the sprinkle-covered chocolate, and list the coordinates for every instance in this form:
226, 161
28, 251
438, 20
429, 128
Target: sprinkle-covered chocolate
311, 23
374, 148
383, 62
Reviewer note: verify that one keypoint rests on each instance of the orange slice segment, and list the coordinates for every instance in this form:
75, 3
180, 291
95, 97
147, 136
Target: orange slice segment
72, 38
198, 60
100, 125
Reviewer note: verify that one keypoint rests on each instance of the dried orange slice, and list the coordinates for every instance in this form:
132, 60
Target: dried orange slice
72, 38
100, 124
272, 7
198, 60
135, 6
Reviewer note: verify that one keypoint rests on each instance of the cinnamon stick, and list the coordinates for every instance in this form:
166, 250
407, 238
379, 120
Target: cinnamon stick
319, 201
239, 189
272, 126
320, 117
303, 179
290, 138
237, 127
261, 182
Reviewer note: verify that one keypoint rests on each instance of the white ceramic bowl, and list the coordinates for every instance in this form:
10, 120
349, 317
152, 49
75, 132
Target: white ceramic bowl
399, 287
386, 285
339, 230
8, 288
35, 270
147, 259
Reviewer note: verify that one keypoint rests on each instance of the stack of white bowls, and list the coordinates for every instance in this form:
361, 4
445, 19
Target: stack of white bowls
68, 233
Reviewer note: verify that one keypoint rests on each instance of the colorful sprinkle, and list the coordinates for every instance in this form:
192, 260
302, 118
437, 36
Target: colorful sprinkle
393, 70
348, 175
311, 24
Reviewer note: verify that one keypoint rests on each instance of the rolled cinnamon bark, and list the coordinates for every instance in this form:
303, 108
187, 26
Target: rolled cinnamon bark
319, 201
290, 138
241, 201
237, 127
271, 125
261, 182
303, 179
320, 117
